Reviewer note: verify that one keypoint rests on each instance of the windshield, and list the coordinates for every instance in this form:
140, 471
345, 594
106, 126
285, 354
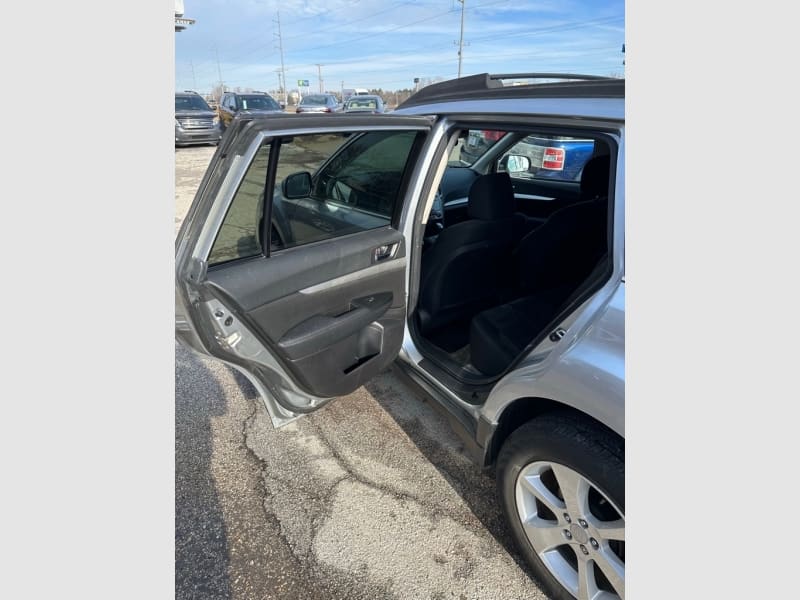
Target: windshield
259, 103
190, 103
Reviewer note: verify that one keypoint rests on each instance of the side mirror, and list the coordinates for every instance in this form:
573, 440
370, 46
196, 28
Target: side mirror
296, 185
514, 163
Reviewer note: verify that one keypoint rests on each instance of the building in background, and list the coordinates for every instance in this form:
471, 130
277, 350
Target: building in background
180, 22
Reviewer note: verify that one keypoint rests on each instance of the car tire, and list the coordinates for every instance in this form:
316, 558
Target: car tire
561, 482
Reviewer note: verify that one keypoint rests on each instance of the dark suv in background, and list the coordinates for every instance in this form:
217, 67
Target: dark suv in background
195, 121
232, 103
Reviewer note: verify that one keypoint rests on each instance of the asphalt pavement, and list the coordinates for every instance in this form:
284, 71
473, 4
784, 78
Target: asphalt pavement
370, 497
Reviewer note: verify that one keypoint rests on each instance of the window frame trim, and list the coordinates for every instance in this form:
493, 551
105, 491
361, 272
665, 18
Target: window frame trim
240, 164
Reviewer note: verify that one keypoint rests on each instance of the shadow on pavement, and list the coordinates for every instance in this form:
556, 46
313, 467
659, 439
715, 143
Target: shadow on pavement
475, 486
201, 545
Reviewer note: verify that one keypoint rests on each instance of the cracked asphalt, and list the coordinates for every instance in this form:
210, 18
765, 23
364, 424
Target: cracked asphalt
370, 497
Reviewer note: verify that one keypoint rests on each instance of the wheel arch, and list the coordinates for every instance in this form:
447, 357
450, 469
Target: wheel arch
524, 410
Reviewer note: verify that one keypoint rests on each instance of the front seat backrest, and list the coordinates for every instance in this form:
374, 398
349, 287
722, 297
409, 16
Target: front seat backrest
465, 269
566, 247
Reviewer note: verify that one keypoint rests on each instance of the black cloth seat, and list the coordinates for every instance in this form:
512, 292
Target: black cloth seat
468, 267
499, 334
550, 262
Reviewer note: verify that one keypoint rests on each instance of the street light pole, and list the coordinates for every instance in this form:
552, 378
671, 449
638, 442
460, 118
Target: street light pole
319, 76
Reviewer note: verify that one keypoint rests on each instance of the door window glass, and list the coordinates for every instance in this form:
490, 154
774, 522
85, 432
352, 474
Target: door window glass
240, 236
326, 185
337, 184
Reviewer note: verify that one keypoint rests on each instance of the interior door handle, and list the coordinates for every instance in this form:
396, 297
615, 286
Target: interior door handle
383, 252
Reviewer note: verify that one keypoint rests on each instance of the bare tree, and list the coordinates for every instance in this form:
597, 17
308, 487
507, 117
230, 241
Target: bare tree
216, 92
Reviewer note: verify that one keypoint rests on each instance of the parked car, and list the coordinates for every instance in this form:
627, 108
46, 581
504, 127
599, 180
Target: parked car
348, 92
364, 104
552, 157
195, 121
234, 103
319, 103
498, 296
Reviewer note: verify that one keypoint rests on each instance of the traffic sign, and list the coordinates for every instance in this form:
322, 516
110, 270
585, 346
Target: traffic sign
302, 82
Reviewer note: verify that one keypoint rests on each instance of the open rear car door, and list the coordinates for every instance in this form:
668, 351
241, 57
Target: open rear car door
290, 264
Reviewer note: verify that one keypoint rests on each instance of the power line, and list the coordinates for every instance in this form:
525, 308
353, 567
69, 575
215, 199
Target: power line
345, 24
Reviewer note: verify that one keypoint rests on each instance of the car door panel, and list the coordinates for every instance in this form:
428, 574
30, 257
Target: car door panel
305, 323
327, 311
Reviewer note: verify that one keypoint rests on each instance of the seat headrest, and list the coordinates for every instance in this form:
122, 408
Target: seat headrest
491, 197
594, 180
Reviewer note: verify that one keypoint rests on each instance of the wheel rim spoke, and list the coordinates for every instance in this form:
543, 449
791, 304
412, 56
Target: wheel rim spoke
610, 530
548, 535
574, 489
533, 484
586, 584
613, 569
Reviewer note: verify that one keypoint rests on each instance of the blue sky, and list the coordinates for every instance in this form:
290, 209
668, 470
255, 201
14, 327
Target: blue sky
382, 44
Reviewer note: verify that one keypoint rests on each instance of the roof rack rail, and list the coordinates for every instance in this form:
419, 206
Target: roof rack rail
486, 85
549, 76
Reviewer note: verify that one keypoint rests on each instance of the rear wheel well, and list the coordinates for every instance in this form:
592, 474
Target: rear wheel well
526, 409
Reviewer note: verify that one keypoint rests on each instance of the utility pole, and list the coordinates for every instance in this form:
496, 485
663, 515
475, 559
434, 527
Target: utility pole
280, 84
283, 69
219, 72
319, 76
194, 80
461, 38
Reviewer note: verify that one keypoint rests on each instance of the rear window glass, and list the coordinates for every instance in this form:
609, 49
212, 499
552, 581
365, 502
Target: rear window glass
314, 100
258, 103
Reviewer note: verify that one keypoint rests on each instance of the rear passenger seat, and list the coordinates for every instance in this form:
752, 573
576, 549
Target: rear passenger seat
550, 263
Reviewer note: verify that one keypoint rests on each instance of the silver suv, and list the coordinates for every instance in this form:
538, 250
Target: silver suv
320, 251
